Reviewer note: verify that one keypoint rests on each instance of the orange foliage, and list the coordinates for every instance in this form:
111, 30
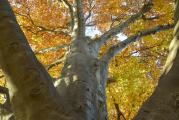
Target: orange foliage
134, 72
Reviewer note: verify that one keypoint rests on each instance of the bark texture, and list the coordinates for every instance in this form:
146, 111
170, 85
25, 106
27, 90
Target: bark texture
164, 103
32, 93
80, 88
80, 94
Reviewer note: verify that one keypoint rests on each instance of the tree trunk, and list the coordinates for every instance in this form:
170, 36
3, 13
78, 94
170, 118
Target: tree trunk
80, 88
164, 103
80, 93
32, 93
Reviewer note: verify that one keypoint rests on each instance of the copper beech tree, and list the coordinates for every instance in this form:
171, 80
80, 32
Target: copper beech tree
79, 93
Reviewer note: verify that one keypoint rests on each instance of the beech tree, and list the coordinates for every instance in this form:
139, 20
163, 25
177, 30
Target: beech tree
163, 104
79, 94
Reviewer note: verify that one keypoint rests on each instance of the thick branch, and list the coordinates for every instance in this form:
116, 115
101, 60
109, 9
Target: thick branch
119, 28
145, 49
28, 81
80, 21
121, 45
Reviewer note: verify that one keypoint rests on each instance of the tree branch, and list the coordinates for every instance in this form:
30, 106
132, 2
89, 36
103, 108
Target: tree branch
79, 21
3, 90
119, 28
91, 7
119, 113
16, 55
57, 62
1, 76
121, 45
145, 49
54, 31
51, 49
42, 28
150, 18
7, 105
71, 10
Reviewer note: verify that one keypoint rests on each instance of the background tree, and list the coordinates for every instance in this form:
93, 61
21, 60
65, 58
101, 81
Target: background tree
43, 30
165, 97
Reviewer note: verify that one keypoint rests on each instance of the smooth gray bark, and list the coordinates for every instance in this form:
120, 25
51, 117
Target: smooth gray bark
79, 93
32, 93
164, 103
80, 86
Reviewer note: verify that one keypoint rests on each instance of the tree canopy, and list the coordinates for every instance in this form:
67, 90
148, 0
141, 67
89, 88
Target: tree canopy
134, 71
